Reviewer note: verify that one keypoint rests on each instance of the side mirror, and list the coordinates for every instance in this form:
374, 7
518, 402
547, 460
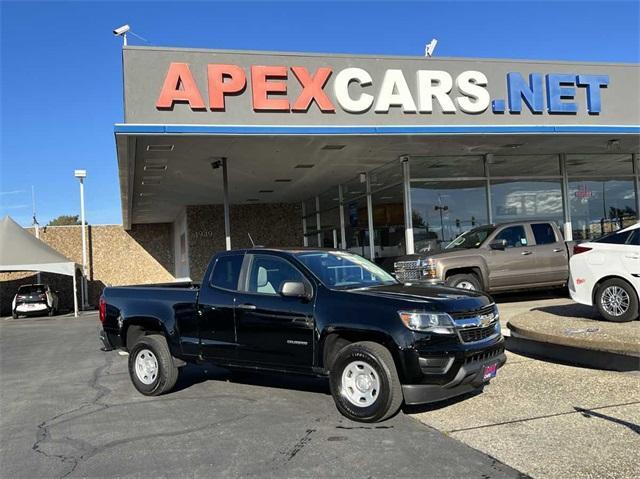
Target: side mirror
498, 244
293, 289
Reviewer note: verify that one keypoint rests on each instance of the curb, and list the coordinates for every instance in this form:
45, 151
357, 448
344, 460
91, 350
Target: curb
591, 358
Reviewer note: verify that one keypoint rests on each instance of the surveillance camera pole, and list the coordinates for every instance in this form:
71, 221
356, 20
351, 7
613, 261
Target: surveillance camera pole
124, 39
81, 175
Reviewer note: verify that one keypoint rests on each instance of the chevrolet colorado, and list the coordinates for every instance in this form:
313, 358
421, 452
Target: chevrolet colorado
311, 311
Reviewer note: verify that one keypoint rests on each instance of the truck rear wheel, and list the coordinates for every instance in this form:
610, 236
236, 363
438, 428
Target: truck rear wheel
464, 281
364, 382
151, 366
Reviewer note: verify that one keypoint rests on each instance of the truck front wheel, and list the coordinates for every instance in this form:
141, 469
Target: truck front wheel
151, 366
464, 281
364, 382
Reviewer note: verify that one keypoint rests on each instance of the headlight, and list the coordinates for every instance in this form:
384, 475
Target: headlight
427, 322
428, 267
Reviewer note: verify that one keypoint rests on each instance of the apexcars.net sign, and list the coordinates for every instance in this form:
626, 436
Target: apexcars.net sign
353, 90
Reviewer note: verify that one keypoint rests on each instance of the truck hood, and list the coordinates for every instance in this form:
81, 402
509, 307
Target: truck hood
431, 297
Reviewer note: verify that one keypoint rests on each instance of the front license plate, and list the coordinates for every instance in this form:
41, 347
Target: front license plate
489, 372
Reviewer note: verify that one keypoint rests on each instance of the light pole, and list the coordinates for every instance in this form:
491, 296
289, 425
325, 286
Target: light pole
81, 175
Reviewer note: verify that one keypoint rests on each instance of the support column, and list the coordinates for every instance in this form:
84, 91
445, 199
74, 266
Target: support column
636, 183
408, 211
487, 173
566, 206
343, 234
318, 223
75, 294
305, 240
372, 248
227, 220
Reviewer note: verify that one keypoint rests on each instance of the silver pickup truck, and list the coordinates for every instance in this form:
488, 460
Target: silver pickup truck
494, 258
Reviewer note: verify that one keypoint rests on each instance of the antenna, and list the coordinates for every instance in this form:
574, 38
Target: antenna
253, 245
34, 222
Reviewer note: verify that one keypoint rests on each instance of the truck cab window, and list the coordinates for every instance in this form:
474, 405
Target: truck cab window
269, 273
514, 235
227, 271
543, 233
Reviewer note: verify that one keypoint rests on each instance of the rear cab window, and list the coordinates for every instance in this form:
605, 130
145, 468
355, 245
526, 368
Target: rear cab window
31, 289
226, 271
543, 233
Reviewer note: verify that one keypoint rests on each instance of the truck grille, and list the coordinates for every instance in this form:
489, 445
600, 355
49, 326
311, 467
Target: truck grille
407, 270
471, 335
472, 314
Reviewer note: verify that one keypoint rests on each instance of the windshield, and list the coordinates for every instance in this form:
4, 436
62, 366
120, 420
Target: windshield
31, 289
342, 270
472, 238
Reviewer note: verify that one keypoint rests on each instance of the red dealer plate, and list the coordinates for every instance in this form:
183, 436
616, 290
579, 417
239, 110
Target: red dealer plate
489, 372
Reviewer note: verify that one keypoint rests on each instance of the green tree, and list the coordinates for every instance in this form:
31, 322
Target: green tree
65, 220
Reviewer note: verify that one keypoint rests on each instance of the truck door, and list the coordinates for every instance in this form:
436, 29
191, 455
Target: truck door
552, 258
273, 330
513, 265
216, 307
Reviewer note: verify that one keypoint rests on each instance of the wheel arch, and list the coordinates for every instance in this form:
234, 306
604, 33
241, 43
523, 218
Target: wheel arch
598, 283
477, 271
135, 327
333, 341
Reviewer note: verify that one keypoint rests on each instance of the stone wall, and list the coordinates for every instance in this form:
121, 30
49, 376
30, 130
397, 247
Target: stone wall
270, 224
114, 257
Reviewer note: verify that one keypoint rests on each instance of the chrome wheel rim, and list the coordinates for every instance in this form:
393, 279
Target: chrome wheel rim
466, 285
360, 384
146, 366
615, 301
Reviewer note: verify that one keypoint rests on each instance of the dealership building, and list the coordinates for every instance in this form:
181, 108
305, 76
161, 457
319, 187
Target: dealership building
379, 155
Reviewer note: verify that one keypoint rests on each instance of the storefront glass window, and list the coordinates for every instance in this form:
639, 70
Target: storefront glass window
525, 165
356, 226
423, 167
444, 209
601, 206
388, 225
516, 200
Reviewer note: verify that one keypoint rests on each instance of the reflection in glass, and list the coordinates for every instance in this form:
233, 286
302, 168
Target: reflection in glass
388, 224
600, 206
356, 226
525, 165
608, 165
443, 210
522, 200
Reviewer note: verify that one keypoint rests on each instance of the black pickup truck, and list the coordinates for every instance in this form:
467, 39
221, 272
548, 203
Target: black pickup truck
311, 311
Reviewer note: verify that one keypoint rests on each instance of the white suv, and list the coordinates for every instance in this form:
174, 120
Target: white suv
606, 273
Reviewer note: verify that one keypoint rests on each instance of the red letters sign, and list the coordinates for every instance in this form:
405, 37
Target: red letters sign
268, 87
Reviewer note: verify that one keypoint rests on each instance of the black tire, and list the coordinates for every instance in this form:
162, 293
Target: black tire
457, 279
387, 401
167, 373
50, 312
631, 312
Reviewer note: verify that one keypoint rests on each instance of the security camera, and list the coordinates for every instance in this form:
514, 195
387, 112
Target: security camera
121, 30
216, 164
430, 47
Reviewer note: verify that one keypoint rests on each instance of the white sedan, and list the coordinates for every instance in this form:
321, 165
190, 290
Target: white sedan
605, 273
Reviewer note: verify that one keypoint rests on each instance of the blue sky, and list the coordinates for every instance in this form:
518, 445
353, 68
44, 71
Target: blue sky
61, 86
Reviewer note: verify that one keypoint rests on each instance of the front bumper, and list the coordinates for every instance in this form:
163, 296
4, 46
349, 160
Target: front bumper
468, 379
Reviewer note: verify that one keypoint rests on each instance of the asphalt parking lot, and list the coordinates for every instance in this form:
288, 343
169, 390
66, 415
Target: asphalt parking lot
69, 410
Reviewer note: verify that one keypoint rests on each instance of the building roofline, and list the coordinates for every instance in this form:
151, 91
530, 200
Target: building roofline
372, 56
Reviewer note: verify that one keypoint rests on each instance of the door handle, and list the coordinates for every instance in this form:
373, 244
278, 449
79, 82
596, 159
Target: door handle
632, 257
558, 250
526, 253
247, 306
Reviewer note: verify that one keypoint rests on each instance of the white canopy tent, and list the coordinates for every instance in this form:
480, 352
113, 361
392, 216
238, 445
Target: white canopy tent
21, 251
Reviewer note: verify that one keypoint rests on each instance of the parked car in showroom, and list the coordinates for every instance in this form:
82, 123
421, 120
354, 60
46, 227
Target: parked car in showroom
34, 299
317, 312
494, 258
605, 273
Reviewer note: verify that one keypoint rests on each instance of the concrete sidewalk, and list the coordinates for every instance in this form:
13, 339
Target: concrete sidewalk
549, 420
